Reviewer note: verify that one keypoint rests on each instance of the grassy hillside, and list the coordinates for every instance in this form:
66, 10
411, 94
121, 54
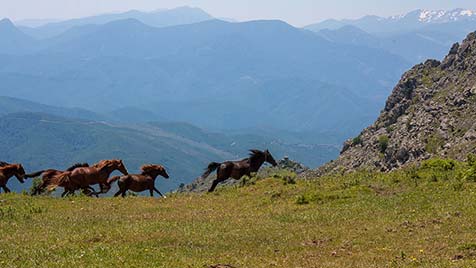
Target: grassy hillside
417, 217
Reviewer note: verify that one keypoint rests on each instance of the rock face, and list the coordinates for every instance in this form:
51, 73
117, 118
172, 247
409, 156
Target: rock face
431, 112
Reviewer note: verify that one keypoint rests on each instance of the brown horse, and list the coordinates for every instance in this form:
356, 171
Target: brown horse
7, 171
48, 174
140, 182
238, 169
82, 178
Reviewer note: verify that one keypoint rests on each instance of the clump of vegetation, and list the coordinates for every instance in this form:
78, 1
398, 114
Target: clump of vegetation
390, 128
383, 141
34, 189
470, 173
286, 176
434, 144
357, 140
439, 164
427, 81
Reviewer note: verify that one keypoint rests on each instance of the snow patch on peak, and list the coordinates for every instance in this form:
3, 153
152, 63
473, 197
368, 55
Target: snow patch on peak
437, 16
467, 13
431, 15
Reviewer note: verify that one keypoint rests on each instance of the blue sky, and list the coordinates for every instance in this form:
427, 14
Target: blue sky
297, 12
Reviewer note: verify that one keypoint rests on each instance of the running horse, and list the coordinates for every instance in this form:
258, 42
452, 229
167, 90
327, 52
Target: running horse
238, 169
140, 182
9, 170
84, 177
48, 174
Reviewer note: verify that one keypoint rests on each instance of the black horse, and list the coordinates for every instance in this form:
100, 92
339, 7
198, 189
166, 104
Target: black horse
238, 169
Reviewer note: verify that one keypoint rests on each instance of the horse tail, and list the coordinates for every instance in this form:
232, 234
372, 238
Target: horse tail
58, 181
211, 167
34, 175
113, 179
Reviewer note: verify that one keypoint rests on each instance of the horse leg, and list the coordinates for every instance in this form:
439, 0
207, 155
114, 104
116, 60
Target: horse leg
155, 189
5, 189
214, 184
104, 188
93, 192
65, 193
122, 189
89, 191
151, 191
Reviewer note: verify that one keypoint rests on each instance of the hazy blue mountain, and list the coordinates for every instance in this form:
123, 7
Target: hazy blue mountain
13, 41
131, 114
159, 18
10, 105
214, 74
415, 46
45, 141
348, 34
35, 22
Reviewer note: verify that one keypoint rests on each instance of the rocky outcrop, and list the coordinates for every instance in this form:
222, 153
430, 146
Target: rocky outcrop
431, 112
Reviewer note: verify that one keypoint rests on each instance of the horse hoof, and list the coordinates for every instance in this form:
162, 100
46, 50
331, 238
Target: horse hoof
165, 197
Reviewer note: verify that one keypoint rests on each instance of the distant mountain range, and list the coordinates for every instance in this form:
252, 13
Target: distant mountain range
415, 36
159, 18
215, 74
411, 21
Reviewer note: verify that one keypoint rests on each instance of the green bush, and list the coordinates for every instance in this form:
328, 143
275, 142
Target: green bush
35, 185
434, 143
302, 200
357, 140
439, 164
383, 143
470, 173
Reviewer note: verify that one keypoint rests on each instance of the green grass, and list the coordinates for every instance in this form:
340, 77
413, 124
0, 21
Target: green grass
418, 217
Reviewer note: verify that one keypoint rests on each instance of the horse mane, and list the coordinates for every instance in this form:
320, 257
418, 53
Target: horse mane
148, 169
77, 165
10, 166
103, 163
2, 164
255, 153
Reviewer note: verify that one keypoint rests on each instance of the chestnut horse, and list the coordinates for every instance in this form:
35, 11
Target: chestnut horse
9, 170
48, 174
238, 169
140, 182
82, 178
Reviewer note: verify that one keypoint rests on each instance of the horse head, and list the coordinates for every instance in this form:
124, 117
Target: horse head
20, 173
154, 171
111, 165
119, 165
269, 158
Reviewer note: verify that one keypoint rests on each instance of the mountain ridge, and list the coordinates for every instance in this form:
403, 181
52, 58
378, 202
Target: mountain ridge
412, 20
158, 18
